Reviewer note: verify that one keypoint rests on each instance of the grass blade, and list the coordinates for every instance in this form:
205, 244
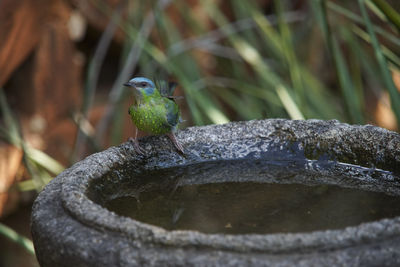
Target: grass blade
17, 238
290, 105
390, 13
352, 100
383, 66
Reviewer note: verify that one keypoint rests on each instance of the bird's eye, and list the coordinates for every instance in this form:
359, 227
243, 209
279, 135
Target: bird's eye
143, 84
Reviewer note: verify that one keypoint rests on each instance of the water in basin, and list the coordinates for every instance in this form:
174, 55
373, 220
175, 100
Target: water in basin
254, 197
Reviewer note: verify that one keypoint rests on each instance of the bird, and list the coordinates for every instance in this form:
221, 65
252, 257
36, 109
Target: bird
154, 110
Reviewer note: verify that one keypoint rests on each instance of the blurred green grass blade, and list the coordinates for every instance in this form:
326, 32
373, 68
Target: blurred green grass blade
377, 12
356, 18
36, 161
391, 14
318, 102
92, 78
44, 160
182, 66
86, 129
346, 83
233, 100
208, 105
391, 56
35, 174
196, 99
355, 65
291, 59
320, 12
383, 66
254, 59
246, 95
183, 6
35, 184
203, 102
244, 87
321, 101
289, 104
216, 115
251, 55
353, 102
17, 238
29, 185
271, 37
98, 58
117, 124
10, 131
369, 69
262, 66
241, 12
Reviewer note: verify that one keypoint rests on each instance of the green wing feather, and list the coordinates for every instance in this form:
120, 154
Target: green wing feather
165, 88
172, 115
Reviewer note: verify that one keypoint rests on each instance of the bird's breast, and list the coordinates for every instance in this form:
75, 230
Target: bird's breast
150, 117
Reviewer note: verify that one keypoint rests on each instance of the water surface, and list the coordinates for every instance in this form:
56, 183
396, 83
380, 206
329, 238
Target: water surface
246, 197
241, 208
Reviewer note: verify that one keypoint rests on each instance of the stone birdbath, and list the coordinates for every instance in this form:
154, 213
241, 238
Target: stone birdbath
257, 193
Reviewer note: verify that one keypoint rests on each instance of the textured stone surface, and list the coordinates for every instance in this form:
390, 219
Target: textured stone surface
69, 229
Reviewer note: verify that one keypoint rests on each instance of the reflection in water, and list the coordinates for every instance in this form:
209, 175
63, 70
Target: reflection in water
243, 197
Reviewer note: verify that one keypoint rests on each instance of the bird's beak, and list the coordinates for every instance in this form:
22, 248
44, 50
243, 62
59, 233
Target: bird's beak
128, 84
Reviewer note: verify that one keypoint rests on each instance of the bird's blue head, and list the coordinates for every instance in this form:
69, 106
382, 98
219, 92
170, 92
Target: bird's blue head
143, 85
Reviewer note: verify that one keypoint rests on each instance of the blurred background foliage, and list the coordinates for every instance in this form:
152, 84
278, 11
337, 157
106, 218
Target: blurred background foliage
63, 63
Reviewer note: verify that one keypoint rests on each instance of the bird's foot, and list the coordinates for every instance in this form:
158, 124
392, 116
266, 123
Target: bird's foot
136, 146
175, 142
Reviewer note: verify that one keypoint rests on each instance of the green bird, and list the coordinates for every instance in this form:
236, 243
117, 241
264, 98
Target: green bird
154, 110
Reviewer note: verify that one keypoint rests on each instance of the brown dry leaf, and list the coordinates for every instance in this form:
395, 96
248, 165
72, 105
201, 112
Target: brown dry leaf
20, 28
45, 91
56, 84
57, 77
10, 161
384, 115
396, 78
96, 18
45, 88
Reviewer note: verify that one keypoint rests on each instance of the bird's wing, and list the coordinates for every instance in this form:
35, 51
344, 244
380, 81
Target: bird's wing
167, 89
172, 114
162, 87
171, 88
